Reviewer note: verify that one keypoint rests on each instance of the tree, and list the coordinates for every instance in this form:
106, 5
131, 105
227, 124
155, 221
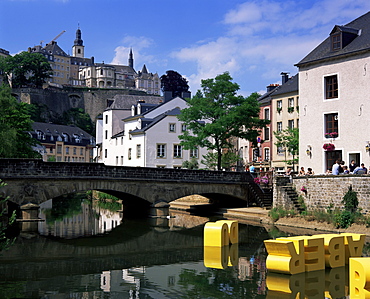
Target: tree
217, 114
15, 123
289, 140
78, 117
175, 83
26, 69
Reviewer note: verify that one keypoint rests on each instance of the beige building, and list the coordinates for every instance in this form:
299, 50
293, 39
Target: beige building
285, 114
63, 143
334, 107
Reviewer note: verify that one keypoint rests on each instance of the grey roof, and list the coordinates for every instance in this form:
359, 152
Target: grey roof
54, 49
124, 102
359, 28
290, 86
266, 97
148, 124
52, 131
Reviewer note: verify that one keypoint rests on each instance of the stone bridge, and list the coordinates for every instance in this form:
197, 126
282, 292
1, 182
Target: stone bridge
35, 181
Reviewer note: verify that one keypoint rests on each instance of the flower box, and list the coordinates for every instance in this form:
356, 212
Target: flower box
331, 135
328, 147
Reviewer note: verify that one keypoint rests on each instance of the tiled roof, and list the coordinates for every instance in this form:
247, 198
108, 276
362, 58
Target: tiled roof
361, 42
290, 86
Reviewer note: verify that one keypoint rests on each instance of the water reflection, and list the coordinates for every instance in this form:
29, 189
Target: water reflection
146, 258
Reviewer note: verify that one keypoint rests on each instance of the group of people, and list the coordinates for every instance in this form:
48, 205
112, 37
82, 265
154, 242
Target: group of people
353, 168
309, 171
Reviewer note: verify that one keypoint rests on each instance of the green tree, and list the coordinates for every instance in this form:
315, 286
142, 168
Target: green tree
78, 117
217, 114
15, 123
5, 242
26, 69
174, 82
289, 140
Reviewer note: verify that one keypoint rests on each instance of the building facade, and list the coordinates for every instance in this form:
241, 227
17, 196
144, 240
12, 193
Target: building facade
333, 87
149, 137
63, 143
285, 114
77, 70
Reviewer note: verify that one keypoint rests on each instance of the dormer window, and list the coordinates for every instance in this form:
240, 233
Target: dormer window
336, 42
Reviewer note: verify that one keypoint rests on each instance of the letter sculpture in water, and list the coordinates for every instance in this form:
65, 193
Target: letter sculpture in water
299, 254
217, 237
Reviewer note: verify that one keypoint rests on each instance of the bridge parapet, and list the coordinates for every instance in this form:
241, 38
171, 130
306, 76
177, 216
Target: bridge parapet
36, 168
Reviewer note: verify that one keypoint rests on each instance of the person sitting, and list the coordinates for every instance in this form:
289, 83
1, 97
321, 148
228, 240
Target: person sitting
288, 171
302, 172
360, 170
345, 169
310, 171
352, 166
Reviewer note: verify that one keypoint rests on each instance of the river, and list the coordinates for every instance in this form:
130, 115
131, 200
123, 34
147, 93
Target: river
90, 251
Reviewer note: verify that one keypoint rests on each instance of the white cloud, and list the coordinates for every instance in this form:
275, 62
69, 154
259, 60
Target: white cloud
138, 46
267, 37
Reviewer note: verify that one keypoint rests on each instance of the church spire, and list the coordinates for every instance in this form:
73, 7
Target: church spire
131, 59
78, 48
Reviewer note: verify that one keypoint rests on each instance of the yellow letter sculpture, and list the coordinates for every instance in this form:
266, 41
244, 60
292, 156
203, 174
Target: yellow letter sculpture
359, 278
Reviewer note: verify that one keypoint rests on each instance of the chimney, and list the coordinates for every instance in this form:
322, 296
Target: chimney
167, 95
271, 87
186, 95
284, 77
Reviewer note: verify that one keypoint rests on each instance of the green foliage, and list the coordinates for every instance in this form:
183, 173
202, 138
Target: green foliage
280, 212
350, 200
228, 160
343, 219
192, 164
78, 117
26, 69
15, 122
217, 114
64, 206
5, 242
289, 140
302, 203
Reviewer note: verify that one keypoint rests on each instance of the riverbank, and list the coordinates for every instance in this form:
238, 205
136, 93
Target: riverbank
295, 225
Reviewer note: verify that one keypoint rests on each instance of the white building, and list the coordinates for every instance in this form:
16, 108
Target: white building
146, 138
334, 89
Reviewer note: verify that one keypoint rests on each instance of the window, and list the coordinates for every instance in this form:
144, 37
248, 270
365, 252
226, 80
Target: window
59, 149
138, 150
129, 153
81, 151
161, 150
267, 133
280, 151
331, 125
116, 160
336, 42
279, 126
291, 123
267, 154
106, 119
121, 160
331, 87
67, 150
172, 128
177, 151
290, 102
106, 134
106, 153
267, 113
194, 153
279, 104
183, 128
74, 151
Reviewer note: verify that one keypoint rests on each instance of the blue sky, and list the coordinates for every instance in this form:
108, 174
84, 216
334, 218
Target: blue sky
253, 40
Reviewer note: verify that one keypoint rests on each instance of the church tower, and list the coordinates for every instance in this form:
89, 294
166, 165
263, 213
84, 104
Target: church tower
131, 59
78, 47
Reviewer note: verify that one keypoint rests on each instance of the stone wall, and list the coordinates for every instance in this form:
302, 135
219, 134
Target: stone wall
92, 100
324, 191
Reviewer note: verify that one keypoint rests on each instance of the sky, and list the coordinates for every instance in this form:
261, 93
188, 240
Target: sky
252, 40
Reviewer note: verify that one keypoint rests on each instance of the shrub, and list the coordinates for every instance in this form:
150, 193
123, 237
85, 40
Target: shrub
350, 200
